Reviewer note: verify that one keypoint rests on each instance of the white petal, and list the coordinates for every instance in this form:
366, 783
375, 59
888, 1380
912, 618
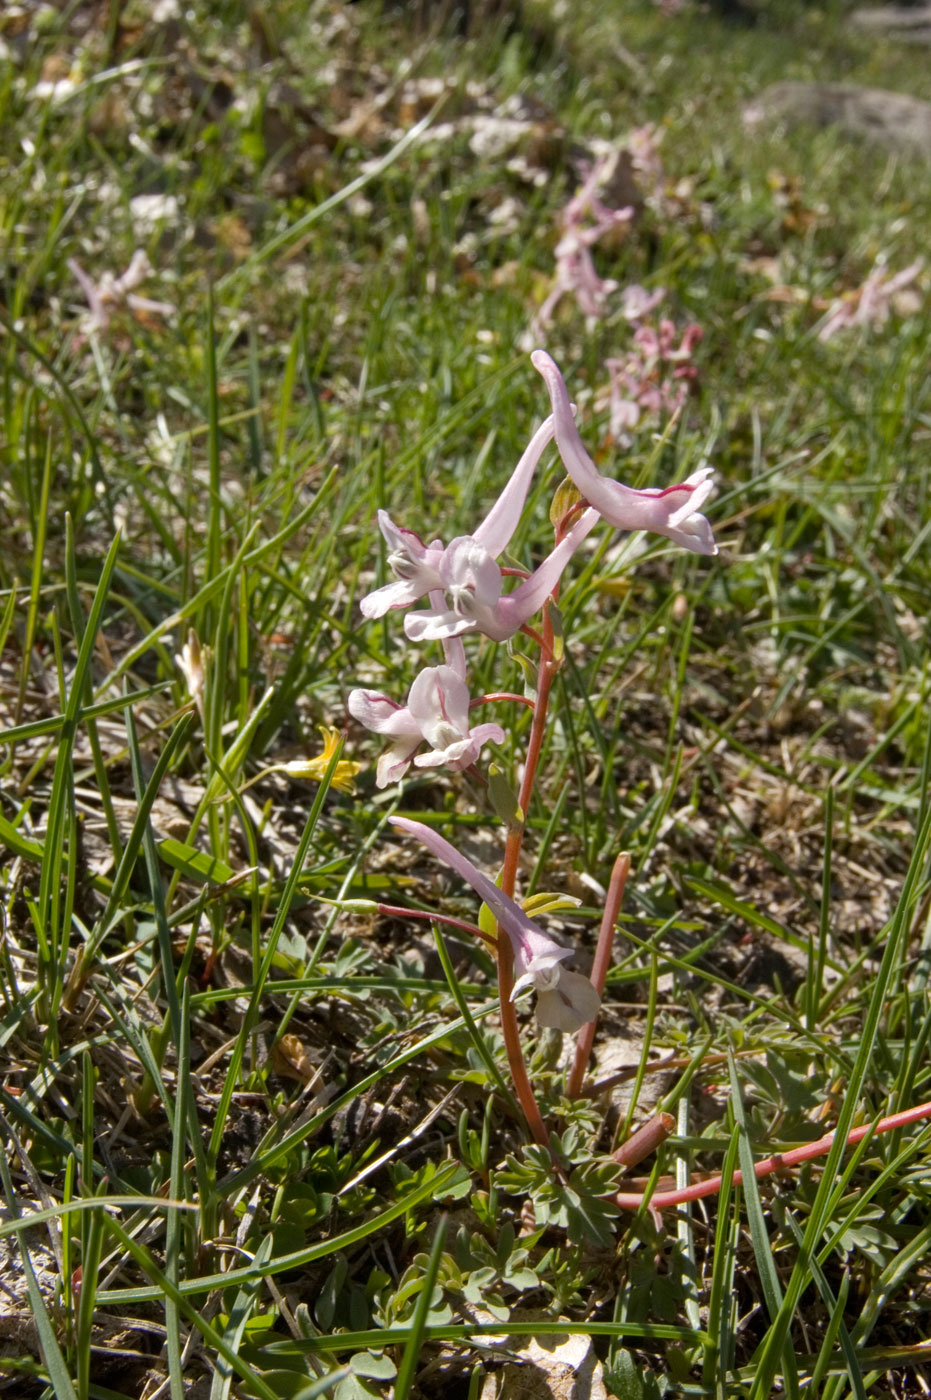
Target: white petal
439, 701
425, 625
382, 715
399, 594
394, 763
570, 1005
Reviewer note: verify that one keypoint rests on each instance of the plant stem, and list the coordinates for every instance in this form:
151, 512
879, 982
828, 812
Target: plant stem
398, 911
586, 1036
512, 848
645, 1140
664, 1200
501, 695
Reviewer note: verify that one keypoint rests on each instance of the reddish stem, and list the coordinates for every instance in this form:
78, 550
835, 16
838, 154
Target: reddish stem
586, 1036
535, 636
501, 695
663, 1200
399, 912
512, 848
645, 1140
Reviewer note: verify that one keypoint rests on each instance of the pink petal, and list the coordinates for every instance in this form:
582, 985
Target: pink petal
528, 598
394, 763
497, 529
568, 1005
665, 512
381, 715
428, 626
399, 594
527, 940
488, 733
467, 565
439, 698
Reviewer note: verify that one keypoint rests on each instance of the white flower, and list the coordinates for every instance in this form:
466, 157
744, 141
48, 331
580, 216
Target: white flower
565, 1000
437, 711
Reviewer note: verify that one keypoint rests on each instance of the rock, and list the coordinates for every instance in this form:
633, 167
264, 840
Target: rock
551, 1368
909, 23
888, 119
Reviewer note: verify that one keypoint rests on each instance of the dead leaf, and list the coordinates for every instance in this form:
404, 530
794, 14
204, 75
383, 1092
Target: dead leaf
232, 234
290, 1060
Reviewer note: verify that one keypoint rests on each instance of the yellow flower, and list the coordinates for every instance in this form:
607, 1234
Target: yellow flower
315, 768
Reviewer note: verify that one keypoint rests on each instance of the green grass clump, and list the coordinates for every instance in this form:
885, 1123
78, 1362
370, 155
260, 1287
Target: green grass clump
257, 1137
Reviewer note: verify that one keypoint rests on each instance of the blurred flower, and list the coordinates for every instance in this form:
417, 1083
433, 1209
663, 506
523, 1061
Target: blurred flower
673, 512
112, 291
637, 302
871, 304
565, 1000
575, 268
654, 378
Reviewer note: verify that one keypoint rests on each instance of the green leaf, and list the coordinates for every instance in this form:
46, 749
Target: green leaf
543, 903
566, 497
376, 1367
504, 800
17, 843
625, 1377
197, 865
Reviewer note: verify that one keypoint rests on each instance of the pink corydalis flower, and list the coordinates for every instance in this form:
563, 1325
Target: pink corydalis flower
673, 512
656, 377
415, 565
585, 220
436, 713
472, 583
871, 304
565, 1000
637, 302
111, 292
419, 567
659, 346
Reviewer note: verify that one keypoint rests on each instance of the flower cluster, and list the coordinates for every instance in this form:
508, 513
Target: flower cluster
463, 587
655, 377
656, 374
585, 220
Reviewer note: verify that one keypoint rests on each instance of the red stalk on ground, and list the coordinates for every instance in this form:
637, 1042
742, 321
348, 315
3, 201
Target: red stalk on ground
780, 1161
645, 1140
